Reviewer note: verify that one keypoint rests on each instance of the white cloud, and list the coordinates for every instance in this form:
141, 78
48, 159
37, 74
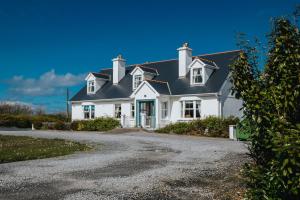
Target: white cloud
48, 83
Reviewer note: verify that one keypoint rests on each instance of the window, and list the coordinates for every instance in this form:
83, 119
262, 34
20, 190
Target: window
91, 86
197, 76
132, 110
191, 109
164, 110
92, 112
89, 112
117, 110
137, 81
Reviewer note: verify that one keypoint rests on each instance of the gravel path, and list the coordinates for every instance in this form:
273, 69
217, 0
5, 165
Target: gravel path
134, 165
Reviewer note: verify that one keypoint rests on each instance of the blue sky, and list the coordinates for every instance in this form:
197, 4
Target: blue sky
49, 45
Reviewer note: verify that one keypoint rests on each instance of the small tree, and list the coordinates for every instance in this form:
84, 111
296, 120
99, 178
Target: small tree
272, 106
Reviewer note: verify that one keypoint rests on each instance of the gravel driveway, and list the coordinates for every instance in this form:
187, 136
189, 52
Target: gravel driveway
134, 165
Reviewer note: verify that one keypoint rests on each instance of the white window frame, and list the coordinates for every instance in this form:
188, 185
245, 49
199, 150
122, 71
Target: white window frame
91, 85
164, 110
118, 111
90, 112
132, 110
196, 111
135, 85
193, 76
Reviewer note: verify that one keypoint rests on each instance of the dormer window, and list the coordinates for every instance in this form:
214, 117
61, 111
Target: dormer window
91, 86
197, 76
138, 79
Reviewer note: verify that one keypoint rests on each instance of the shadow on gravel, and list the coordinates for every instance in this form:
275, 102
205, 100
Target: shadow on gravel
36, 191
125, 168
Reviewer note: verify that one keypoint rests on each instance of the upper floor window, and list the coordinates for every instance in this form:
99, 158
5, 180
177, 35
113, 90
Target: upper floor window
164, 110
137, 81
191, 109
91, 86
132, 110
118, 110
89, 112
197, 76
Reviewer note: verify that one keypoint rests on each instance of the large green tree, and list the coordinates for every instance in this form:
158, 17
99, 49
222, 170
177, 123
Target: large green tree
272, 106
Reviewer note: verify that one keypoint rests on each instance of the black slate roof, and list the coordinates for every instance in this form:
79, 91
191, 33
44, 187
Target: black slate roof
149, 69
160, 86
167, 72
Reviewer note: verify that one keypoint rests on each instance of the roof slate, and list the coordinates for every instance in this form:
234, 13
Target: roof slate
168, 72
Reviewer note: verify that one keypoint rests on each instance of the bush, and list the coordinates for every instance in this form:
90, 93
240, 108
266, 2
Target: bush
74, 125
60, 125
98, 124
210, 126
26, 121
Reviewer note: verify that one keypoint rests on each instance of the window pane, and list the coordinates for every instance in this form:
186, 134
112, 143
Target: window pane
198, 107
197, 75
132, 110
137, 80
118, 110
164, 110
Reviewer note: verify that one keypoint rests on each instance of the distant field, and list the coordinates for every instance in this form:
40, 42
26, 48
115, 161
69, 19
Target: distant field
18, 148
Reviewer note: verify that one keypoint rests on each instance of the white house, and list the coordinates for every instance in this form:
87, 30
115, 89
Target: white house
154, 94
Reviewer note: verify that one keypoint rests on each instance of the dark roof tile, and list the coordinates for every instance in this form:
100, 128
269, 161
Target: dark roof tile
168, 72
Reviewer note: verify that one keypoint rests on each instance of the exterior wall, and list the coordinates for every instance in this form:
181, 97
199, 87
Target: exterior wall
209, 107
163, 122
77, 113
104, 109
230, 106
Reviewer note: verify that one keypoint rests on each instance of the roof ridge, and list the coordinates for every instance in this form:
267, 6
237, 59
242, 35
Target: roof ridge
204, 59
147, 67
222, 52
100, 73
158, 81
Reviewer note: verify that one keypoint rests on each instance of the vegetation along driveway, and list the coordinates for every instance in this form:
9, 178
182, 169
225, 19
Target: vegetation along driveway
133, 165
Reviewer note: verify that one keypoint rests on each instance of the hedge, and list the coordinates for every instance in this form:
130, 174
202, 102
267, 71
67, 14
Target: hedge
47, 122
98, 124
210, 126
25, 121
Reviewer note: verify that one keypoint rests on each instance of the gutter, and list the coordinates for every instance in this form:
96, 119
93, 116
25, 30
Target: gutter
102, 100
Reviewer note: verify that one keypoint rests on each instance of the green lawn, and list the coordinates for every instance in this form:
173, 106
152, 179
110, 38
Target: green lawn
18, 148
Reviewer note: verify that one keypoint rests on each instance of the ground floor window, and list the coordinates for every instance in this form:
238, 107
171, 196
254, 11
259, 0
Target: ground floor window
89, 111
117, 110
164, 110
191, 109
132, 110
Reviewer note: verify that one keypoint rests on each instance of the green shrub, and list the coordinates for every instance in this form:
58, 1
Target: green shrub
210, 126
60, 125
98, 124
74, 125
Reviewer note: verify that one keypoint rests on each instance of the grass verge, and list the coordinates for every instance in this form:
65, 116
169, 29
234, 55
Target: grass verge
18, 148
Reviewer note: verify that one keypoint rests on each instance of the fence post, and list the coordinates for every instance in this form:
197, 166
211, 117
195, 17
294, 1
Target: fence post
32, 127
232, 132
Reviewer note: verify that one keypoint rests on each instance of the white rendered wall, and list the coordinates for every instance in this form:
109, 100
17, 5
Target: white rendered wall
230, 106
77, 113
209, 107
103, 109
163, 122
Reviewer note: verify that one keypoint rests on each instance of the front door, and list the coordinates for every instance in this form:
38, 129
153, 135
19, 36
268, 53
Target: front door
146, 114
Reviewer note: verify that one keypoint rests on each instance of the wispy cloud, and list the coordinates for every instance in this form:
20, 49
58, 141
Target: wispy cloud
47, 84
